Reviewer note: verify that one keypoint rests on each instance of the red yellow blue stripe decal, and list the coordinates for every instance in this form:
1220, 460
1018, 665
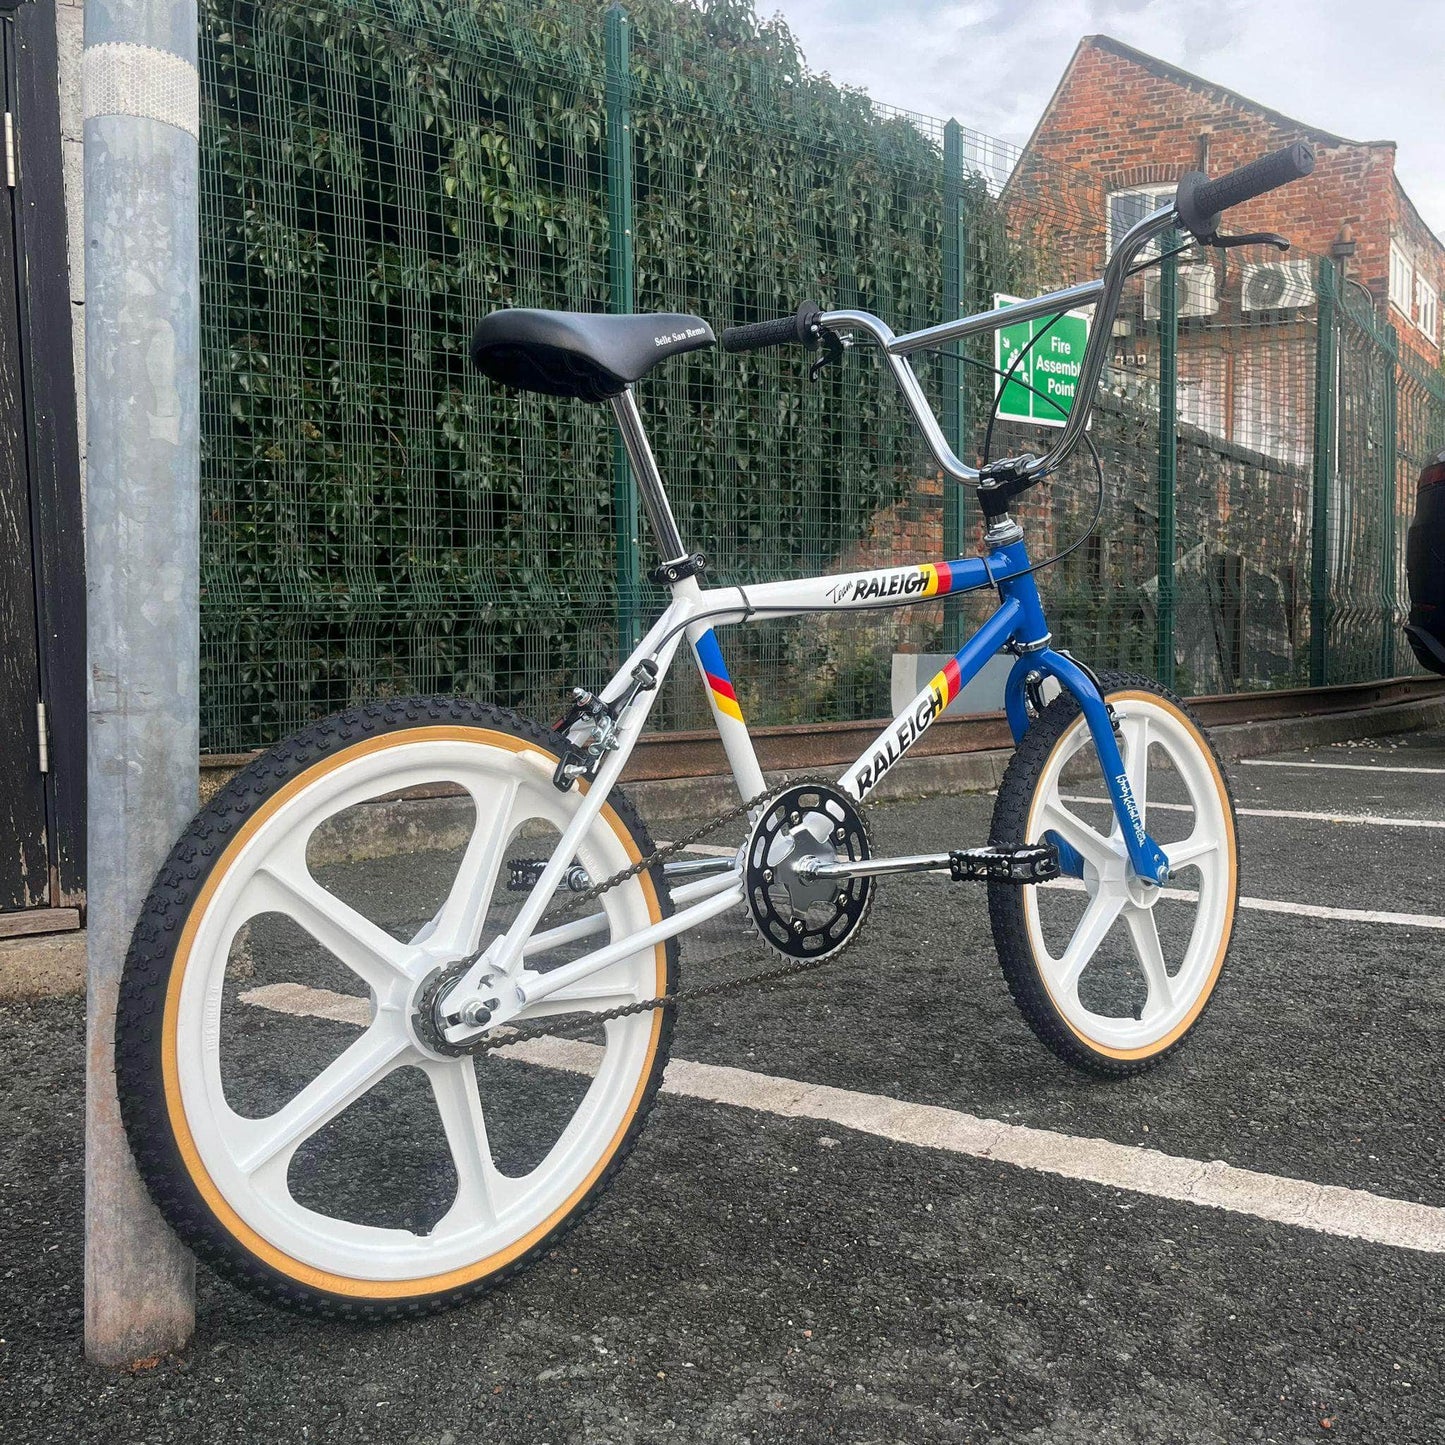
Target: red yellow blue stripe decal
714, 669
937, 579
945, 685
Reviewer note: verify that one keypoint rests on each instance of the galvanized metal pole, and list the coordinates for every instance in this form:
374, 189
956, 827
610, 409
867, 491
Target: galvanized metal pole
142, 425
955, 409
1168, 457
1324, 446
1389, 600
626, 523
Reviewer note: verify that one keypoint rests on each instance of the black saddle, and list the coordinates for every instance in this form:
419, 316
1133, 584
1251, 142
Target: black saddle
581, 353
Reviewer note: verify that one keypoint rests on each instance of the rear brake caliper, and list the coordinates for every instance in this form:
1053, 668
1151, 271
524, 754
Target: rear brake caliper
582, 759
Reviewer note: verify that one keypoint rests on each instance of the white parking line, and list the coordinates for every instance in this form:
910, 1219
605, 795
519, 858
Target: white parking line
1370, 818
1280, 905
1344, 915
1339, 767
1325, 1208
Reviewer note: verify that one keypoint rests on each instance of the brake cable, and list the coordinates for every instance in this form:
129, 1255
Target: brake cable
1010, 379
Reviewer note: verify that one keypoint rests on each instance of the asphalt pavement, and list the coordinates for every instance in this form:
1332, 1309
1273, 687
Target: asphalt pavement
755, 1276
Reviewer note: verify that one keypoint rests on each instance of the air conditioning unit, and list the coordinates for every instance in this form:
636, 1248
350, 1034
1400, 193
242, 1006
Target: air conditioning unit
1194, 288
1277, 286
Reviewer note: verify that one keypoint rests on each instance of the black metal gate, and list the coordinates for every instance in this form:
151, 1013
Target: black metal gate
42, 590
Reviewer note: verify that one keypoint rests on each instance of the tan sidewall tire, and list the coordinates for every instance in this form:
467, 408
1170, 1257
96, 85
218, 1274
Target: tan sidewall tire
1015, 922
147, 1043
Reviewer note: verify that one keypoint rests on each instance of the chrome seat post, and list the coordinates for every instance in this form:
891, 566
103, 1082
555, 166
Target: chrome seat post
649, 479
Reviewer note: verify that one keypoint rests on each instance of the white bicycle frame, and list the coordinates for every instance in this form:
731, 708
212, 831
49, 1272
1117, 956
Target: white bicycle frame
499, 976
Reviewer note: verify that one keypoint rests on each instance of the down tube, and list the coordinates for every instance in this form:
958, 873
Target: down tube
910, 725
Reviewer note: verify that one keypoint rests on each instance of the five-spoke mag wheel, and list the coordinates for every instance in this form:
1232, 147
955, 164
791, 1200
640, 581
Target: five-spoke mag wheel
1110, 971
287, 1115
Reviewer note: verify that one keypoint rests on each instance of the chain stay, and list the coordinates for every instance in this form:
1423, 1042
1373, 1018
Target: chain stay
524, 1033
680, 845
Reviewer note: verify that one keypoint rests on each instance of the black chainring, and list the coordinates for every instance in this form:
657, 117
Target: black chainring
795, 918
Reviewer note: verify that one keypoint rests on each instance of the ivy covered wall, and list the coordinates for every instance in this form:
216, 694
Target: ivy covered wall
378, 175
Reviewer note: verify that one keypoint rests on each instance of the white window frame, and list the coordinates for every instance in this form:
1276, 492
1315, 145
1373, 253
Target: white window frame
1402, 281
1156, 193
1427, 307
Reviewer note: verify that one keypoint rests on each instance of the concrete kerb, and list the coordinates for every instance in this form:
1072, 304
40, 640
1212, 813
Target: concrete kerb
49, 966
54, 965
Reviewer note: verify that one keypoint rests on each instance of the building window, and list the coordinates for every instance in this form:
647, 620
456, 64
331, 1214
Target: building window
1132, 205
1273, 386
1202, 388
1427, 308
1402, 275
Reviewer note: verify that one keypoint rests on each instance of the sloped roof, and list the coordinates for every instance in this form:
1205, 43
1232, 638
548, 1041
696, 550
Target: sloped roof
1166, 71
1187, 78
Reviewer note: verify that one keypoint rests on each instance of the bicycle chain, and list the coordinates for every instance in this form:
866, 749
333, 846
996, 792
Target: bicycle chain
524, 1033
679, 845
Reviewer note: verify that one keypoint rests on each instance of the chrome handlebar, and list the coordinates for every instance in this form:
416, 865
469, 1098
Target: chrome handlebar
1104, 294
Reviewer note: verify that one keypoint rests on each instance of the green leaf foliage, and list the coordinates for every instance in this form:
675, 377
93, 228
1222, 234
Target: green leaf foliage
377, 175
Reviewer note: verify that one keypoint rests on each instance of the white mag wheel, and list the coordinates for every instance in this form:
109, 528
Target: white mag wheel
286, 1115
1111, 972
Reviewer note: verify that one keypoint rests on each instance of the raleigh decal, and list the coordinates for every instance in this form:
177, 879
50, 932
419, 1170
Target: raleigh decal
905, 733
879, 586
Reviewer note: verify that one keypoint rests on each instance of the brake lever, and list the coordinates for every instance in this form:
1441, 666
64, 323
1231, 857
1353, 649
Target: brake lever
831, 349
1254, 238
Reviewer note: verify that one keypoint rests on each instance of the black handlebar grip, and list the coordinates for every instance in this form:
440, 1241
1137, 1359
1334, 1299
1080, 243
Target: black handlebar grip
760, 334
1200, 200
794, 330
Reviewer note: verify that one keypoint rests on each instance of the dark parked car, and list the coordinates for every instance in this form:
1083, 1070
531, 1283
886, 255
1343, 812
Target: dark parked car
1425, 564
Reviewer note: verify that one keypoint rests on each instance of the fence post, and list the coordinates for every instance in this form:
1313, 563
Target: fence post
1168, 456
626, 526
955, 407
142, 348
1388, 486
1325, 386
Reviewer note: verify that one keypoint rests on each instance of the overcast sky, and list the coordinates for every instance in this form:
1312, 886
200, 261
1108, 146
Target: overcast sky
1365, 69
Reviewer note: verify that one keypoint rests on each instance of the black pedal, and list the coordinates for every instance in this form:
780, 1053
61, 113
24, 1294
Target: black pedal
1036, 863
524, 873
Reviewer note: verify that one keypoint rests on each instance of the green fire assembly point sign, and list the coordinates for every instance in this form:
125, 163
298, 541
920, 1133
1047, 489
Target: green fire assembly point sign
1051, 367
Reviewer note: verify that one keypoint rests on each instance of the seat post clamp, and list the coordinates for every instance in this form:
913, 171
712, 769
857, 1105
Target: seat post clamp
667, 574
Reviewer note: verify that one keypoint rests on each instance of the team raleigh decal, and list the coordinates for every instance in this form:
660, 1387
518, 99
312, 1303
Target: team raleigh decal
904, 583
942, 688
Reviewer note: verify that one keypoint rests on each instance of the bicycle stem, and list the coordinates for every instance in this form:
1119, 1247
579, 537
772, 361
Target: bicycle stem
1104, 294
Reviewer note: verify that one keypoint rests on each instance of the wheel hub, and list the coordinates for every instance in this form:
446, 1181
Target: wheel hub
429, 1024
1140, 893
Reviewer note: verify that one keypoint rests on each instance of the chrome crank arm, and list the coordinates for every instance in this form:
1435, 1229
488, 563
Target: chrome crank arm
1035, 864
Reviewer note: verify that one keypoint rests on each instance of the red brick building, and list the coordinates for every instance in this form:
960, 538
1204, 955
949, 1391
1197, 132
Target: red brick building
1131, 125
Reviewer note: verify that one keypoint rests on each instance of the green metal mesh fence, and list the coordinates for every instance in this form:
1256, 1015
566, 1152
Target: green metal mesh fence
375, 179
378, 520
1420, 435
